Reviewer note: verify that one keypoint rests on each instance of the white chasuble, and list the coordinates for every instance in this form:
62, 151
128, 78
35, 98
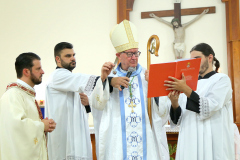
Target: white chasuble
71, 138
121, 122
210, 133
22, 134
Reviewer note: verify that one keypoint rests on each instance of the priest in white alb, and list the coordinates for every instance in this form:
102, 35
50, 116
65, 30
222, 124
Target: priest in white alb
71, 139
121, 121
205, 117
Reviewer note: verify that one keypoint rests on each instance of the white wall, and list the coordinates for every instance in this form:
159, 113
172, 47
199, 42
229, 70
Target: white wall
37, 26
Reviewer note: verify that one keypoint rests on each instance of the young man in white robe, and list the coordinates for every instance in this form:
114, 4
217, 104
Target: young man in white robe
22, 127
71, 139
205, 117
121, 122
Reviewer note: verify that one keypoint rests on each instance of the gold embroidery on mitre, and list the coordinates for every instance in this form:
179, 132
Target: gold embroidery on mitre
98, 99
128, 31
131, 42
126, 46
35, 140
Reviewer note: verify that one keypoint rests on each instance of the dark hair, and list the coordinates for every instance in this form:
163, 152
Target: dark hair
25, 60
176, 20
206, 51
60, 46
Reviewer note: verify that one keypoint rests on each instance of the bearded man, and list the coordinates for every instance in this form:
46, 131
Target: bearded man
205, 117
22, 126
71, 139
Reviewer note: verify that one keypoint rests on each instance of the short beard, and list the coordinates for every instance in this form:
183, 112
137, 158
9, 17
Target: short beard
204, 67
174, 27
35, 80
67, 65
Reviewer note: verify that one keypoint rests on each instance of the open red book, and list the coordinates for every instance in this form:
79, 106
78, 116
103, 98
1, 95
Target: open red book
158, 73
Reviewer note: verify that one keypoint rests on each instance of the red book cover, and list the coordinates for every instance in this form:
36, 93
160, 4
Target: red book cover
158, 73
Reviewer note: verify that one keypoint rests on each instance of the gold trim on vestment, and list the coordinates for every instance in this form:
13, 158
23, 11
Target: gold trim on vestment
23, 88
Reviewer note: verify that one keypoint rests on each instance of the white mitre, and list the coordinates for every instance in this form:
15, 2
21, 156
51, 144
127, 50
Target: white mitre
124, 36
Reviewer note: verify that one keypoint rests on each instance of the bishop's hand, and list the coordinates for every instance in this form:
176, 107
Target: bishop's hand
146, 75
117, 82
106, 70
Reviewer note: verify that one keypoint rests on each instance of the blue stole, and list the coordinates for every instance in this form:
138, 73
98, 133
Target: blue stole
123, 117
121, 74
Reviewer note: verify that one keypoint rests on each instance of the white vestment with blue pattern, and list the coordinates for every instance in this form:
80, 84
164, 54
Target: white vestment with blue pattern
123, 133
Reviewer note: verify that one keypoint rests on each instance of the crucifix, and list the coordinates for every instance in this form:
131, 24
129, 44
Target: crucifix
178, 27
132, 105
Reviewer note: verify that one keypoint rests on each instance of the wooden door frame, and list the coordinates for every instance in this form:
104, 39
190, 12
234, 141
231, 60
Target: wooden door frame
233, 53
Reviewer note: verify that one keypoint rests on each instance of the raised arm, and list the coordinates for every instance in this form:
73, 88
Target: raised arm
160, 19
64, 80
196, 18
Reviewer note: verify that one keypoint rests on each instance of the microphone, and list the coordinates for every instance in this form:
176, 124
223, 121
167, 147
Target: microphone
129, 73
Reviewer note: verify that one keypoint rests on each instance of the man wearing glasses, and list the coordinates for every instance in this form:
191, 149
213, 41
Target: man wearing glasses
121, 121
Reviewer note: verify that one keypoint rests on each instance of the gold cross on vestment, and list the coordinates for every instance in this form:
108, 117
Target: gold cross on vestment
35, 140
98, 99
132, 105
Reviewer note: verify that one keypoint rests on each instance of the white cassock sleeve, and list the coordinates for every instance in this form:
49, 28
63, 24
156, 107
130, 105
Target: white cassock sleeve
67, 81
216, 98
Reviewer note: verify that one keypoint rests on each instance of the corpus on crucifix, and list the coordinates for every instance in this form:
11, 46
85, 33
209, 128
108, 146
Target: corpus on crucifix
179, 32
178, 27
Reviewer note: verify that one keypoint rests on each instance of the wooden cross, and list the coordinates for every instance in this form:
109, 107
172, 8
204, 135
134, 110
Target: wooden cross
132, 105
177, 12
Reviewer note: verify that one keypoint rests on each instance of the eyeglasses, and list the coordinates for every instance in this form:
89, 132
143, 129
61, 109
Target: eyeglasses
130, 54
